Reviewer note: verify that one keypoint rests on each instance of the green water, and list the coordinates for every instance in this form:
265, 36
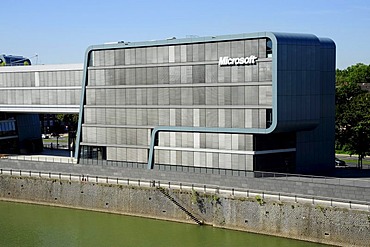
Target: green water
34, 225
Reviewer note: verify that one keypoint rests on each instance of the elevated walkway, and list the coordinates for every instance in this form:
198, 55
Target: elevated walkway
41, 88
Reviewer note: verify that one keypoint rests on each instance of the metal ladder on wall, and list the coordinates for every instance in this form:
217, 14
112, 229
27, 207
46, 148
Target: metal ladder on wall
166, 194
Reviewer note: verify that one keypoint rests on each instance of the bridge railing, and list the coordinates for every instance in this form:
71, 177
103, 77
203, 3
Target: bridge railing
259, 195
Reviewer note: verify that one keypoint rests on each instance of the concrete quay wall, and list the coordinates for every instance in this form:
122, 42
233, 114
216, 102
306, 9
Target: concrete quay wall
336, 226
330, 188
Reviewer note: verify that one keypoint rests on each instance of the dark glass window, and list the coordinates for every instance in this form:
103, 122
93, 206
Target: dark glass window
268, 118
96, 153
268, 48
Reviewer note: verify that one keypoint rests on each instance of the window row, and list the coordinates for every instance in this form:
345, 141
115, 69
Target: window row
217, 141
41, 79
203, 159
222, 96
216, 118
183, 158
19, 79
180, 74
60, 78
142, 137
196, 52
40, 97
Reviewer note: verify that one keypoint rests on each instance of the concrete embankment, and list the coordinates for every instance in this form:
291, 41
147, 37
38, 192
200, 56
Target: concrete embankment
323, 224
331, 188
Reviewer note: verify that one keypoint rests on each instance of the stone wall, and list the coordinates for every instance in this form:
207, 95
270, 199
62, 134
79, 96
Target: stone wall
293, 220
330, 188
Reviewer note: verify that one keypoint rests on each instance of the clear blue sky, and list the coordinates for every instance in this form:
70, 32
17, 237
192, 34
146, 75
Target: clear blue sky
60, 31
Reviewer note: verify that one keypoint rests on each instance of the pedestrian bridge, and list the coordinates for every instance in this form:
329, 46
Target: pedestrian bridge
41, 88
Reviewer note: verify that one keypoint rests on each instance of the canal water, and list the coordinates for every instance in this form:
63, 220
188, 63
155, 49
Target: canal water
35, 225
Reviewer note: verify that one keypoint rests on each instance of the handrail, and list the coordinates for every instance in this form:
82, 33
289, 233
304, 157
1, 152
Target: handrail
228, 191
259, 174
45, 158
264, 174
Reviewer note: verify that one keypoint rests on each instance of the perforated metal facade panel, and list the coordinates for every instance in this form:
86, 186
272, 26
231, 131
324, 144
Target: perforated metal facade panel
131, 91
158, 85
40, 89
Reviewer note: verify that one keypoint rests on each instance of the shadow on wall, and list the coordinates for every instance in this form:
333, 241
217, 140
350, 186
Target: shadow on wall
351, 173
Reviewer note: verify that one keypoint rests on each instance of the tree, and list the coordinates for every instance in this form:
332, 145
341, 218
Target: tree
62, 121
359, 73
70, 120
353, 126
353, 111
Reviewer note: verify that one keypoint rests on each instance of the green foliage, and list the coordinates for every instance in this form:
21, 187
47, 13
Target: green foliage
194, 196
340, 151
216, 199
321, 208
71, 120
352, 125
359, 73
260, 200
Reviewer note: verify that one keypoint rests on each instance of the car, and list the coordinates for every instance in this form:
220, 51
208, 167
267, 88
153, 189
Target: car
340, 163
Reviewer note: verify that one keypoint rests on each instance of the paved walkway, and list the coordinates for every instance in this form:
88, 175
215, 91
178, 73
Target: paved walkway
63, 157
353, 184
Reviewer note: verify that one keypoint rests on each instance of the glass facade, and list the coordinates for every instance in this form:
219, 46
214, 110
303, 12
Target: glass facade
8, 136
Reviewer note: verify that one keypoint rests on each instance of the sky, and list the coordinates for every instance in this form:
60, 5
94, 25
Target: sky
59, 32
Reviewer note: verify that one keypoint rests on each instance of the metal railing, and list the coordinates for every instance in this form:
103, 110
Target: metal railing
204, 188
270, 175
315, 179
55, 146
209, 170
40, 158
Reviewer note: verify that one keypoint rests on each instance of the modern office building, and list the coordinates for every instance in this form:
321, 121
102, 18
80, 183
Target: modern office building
262, 101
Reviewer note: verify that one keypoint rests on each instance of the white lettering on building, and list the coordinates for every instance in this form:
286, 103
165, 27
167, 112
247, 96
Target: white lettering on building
228, 61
